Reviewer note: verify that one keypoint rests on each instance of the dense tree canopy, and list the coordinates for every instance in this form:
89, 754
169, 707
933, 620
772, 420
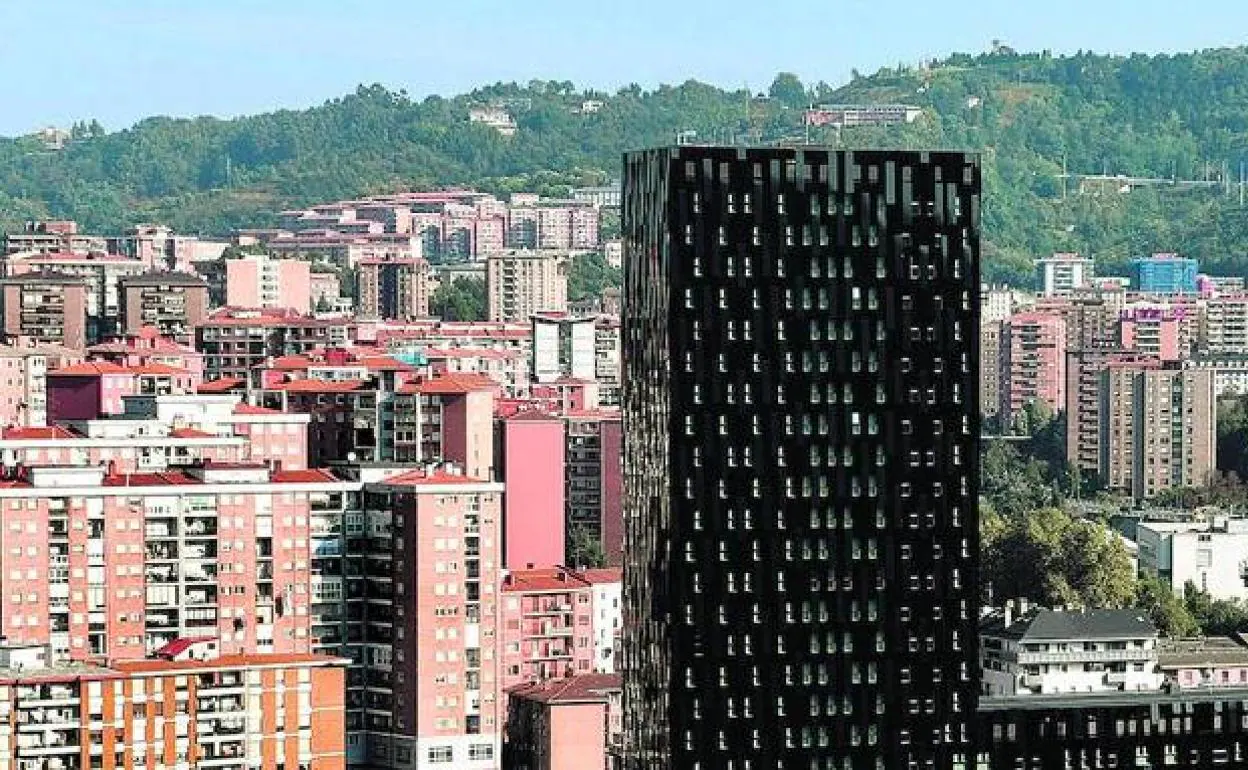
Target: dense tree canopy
1182, 115
460, 300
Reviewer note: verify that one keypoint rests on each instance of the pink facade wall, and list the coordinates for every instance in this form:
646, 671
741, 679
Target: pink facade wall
242, 283
295, 281
1230, 676
280, 442
532, 469
24, 538
468, 432
112, 388
126, 601
578, 736
1159, 337
612, 438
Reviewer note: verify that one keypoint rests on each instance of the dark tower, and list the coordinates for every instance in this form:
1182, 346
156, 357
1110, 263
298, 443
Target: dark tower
801, 458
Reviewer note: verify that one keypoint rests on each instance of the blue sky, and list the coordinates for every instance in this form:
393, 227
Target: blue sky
121, 60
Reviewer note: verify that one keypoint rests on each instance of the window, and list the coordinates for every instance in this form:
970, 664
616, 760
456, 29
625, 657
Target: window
478, 751
441, 754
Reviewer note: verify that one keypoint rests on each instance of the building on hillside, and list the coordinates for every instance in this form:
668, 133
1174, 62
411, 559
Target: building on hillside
1063, 274
1164, 274
564, 724
24, 382
236, 341
171, 303
1224, 326
990, 368
1084, 370
52, 237
521, 284
1230, 372
853, 115
1208, 556
45, 308
393, 288
1157, 427
1166, 333
260, 281
1044, 652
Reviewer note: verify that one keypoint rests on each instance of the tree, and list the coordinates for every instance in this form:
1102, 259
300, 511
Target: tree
322, 304
584, 550
787, 89
460, 300
1051, 558
1012, 483
589, 274
1165, 609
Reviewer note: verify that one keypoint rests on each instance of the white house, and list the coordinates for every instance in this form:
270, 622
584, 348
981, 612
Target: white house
1075, 651
608, 608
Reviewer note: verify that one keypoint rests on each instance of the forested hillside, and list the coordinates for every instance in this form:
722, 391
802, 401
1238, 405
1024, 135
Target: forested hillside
1183, 116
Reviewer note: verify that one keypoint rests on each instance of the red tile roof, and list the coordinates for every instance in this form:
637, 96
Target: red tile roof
52, 432
456, 383
223, 385
542, 580
288, 363
602, 575
244, 408
88, 369
309, 476
420, 477
159, 369
533, 414
593, 688
179, 646
189, 433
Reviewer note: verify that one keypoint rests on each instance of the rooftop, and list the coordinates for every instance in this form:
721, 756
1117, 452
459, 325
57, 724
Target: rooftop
163, 279
1045, 625
546, 579
584, 688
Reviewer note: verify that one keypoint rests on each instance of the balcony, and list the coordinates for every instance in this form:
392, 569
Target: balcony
1084, 656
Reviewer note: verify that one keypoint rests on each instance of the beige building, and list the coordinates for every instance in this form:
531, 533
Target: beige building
1157, 427
519, 284
396, 289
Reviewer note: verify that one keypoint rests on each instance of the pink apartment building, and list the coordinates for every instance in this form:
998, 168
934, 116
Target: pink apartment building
531, 466
147, 346
1033, 363
260, 281
574, 723
439, 699
547, 625
1165, 333
93, 388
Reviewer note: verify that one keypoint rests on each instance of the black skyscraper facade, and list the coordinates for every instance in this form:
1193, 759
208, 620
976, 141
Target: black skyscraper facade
801, 445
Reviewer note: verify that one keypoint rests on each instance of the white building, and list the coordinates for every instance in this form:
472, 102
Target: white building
1077, 651
1213, 555
564, 346
1062, 274
608, 608
1230, 373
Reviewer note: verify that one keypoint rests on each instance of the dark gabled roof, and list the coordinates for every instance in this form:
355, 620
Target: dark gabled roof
1054, 625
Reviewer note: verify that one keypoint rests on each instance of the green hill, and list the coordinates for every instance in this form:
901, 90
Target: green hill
1183, 116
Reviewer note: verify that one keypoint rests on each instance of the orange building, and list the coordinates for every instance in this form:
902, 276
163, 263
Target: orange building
286, 710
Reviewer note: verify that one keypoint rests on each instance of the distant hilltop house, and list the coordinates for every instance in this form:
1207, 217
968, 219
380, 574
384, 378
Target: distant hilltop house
589, 106
53, 138
496, 118
849, 115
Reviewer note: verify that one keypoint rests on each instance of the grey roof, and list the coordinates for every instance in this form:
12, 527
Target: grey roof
1055, 625
155, 278
1209, 652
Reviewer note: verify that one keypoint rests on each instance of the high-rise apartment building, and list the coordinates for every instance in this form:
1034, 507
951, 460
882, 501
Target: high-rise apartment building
393, 288
171, 303
801, 402
1157, 427
521, 283
1033, 364
46, 308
